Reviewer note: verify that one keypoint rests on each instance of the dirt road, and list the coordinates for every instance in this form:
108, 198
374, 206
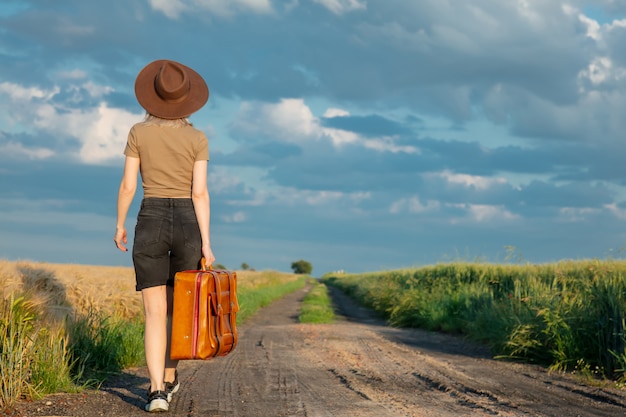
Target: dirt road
357, 367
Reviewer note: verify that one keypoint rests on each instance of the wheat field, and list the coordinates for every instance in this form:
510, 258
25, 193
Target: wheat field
67, 288
64, 288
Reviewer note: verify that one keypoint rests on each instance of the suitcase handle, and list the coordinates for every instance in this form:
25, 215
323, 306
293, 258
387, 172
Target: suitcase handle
203, 265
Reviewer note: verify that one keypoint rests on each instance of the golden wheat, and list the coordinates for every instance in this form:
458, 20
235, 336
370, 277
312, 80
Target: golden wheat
67, 288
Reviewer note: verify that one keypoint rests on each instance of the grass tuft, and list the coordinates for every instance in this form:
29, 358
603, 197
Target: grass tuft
32, 353
317, 306
102, 345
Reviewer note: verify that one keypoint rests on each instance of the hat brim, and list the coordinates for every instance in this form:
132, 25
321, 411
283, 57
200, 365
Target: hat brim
149, 99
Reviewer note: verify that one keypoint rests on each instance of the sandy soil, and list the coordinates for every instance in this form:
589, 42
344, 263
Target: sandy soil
357, 367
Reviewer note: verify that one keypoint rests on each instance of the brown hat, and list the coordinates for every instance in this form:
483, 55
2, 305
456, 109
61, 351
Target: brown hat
170, 90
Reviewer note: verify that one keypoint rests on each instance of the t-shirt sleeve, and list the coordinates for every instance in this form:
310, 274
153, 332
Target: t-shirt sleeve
202, 148
131, 145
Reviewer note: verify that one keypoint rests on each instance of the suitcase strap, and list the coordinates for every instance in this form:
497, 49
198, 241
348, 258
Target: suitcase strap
219, 312
234, 306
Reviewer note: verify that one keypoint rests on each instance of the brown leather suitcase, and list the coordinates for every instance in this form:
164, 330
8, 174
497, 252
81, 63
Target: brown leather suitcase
204, 313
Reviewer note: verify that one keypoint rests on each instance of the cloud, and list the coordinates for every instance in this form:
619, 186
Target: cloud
342, 6
236, 217
593, 27
106, 135
474, 181
25, 94
19, 151
413, 205
289, 120
292, 121
222, 8
619, 212
595, 117
170, 8
576, 214
482, 213
100, 130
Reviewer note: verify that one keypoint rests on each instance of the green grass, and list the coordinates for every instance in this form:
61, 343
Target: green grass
317, 306
101, 345
567, 316
33, 354
40, 355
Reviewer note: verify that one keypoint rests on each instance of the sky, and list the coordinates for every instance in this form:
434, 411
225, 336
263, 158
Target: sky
358, 135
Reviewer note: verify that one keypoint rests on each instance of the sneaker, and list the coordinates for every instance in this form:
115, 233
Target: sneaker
171, 388
157, 402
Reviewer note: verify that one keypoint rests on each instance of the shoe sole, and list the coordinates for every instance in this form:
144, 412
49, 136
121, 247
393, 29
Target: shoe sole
158, 405
172, 392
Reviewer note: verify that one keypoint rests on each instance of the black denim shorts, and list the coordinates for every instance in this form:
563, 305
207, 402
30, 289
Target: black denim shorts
167, 240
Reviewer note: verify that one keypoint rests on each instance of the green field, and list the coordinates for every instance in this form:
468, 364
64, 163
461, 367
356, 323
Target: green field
568, 316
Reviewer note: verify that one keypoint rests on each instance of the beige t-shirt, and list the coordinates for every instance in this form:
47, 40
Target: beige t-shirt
167, 155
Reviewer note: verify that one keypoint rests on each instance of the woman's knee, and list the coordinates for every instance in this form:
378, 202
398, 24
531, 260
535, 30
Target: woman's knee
155, 301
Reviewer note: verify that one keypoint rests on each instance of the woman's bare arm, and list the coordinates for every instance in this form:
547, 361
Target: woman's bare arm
128, 187
201, 204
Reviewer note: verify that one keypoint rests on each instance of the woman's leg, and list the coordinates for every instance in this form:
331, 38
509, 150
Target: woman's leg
185, 254
155, 339
170, 365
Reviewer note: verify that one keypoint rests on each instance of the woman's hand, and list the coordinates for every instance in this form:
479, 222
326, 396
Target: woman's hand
207, 253
121, 239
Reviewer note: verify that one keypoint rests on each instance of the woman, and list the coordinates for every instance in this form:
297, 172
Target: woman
172, 230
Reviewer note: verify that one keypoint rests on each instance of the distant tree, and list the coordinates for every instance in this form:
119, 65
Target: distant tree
245, 266
219, 266
302, 267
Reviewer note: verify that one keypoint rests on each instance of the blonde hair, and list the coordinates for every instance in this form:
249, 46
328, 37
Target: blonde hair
151, 119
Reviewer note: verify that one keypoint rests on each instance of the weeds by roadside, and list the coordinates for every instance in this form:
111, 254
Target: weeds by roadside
101, 345
33, 354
